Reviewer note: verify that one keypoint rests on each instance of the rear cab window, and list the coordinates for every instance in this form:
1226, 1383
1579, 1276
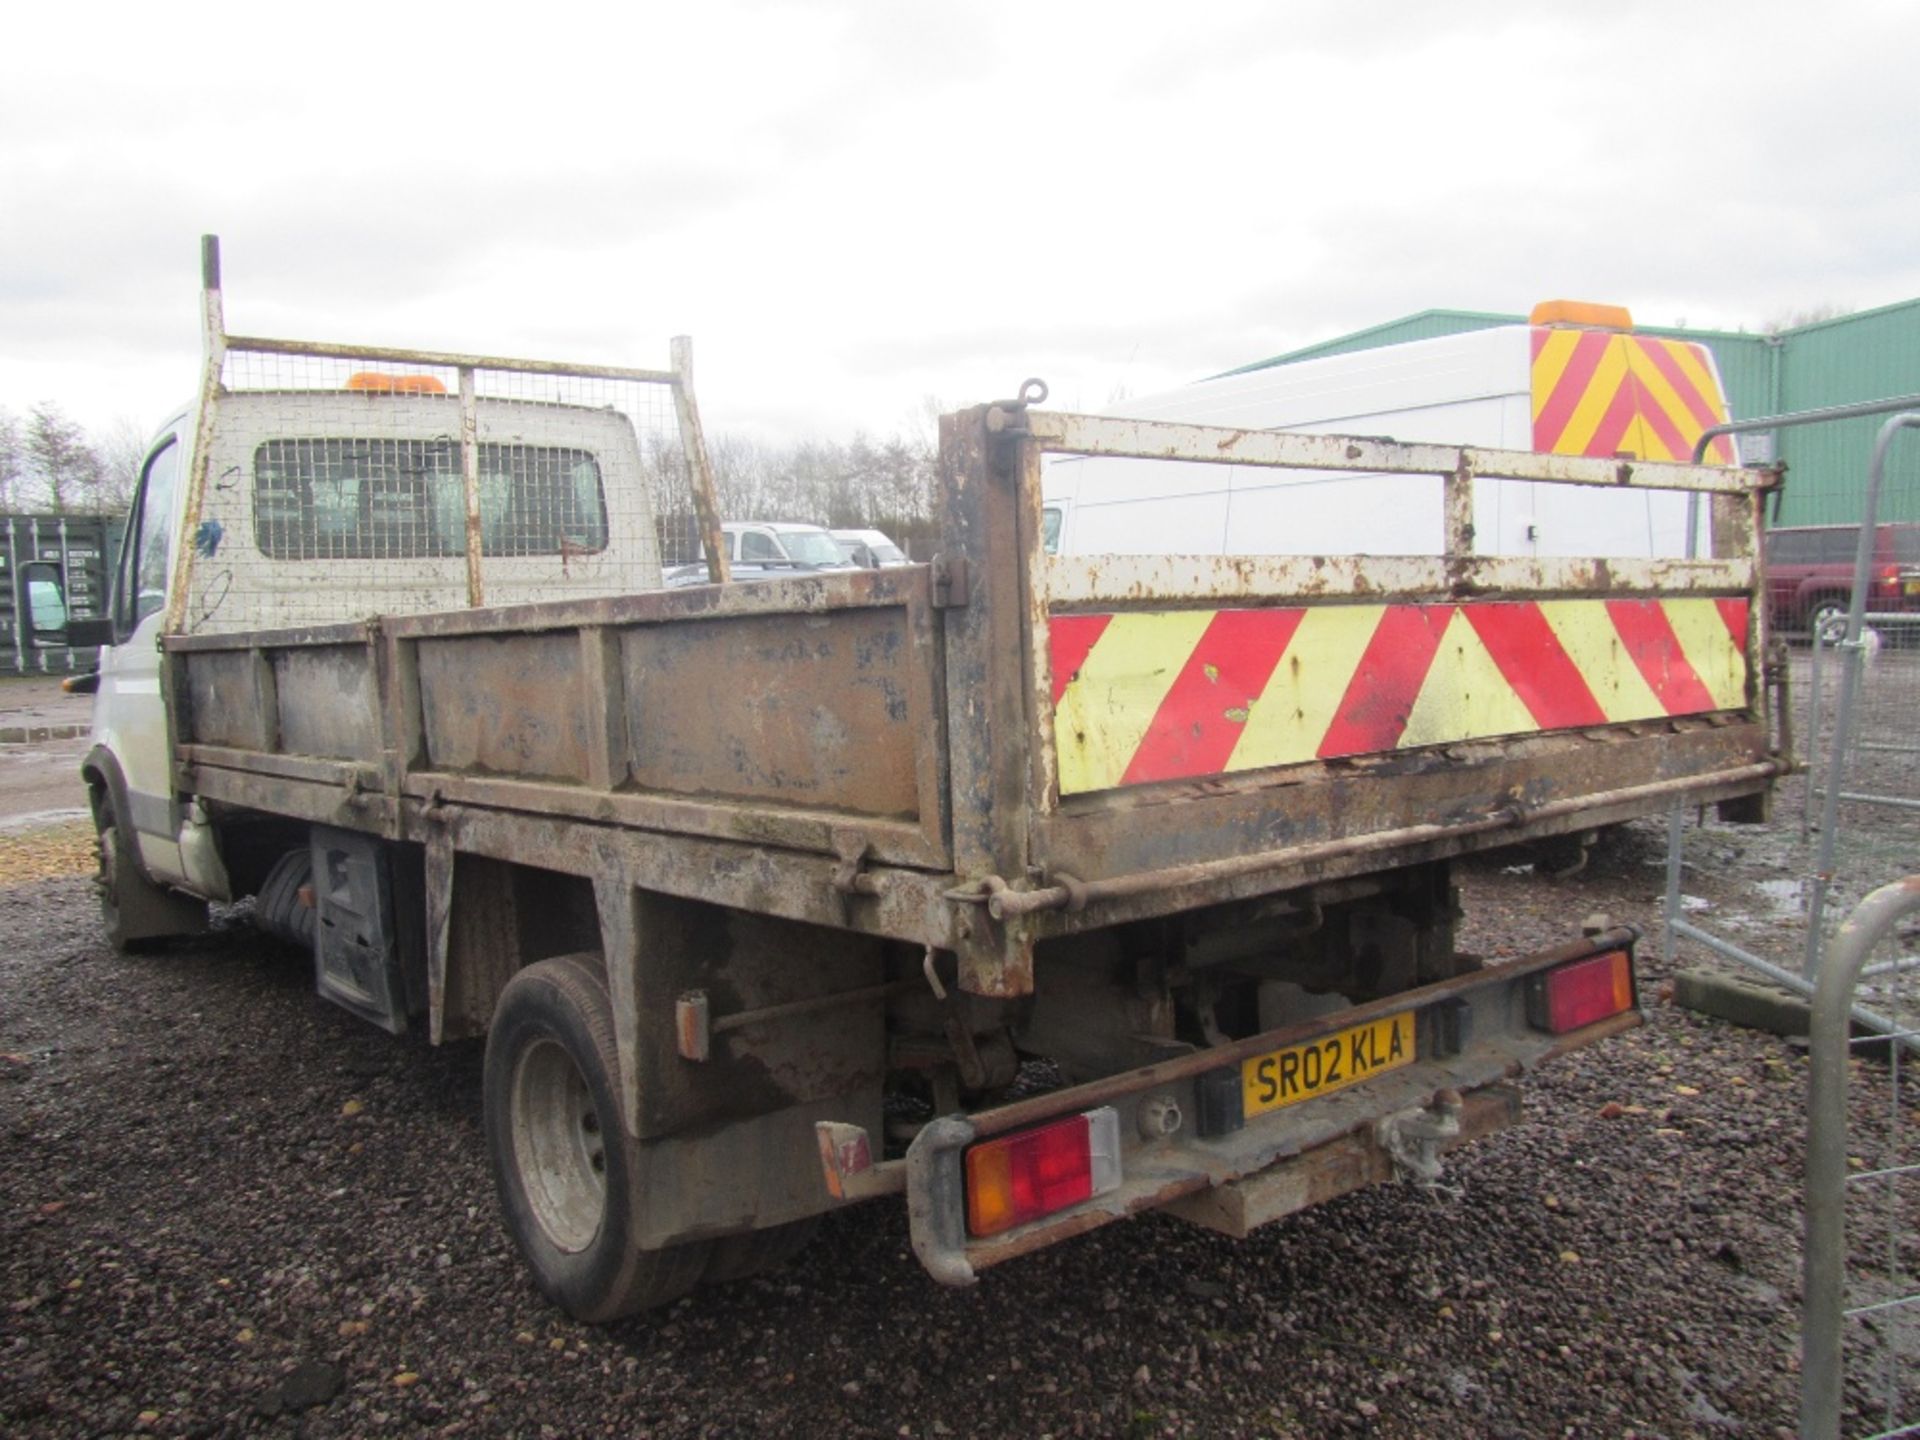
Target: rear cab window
357, 498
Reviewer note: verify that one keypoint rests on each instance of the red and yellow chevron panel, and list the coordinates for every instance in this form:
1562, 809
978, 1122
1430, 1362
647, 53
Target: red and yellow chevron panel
1181, 694
1602, 393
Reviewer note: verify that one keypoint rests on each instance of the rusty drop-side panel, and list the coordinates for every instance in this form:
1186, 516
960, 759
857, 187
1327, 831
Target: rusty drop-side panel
329, 705
505, 705
811, 709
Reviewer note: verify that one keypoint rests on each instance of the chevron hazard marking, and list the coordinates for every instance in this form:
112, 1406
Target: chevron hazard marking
1601, 393
1596, 650
1290, 719
1701, 629
1204, 715
1464, 696
1149, 696
1644, 625
1105, 712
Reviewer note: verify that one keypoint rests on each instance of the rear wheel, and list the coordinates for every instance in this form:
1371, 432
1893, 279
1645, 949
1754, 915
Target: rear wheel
568, 1174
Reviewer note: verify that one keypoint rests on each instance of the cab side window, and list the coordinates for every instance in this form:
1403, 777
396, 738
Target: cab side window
756, 546
142, 584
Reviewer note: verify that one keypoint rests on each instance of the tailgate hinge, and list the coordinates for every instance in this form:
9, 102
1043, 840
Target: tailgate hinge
949, 581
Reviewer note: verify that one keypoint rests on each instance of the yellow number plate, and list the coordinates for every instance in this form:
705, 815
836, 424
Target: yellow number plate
1319, 1067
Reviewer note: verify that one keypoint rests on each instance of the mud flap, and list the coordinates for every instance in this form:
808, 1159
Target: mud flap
356, 954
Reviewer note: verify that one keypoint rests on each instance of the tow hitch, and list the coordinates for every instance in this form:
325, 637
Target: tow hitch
1413, 1138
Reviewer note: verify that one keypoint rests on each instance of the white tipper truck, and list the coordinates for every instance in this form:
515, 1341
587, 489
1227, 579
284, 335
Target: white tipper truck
1037, 890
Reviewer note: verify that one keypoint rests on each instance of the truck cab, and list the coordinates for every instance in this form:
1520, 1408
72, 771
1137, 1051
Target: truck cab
320, 504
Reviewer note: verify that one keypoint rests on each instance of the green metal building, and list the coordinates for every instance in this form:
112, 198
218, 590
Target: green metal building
1868, 356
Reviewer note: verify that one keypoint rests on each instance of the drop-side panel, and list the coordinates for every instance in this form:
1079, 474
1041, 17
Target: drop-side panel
514, 705
327, 701
813, 710
803, 714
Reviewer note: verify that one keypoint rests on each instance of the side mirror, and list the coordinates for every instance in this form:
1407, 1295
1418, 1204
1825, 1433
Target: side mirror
46, 617
89, 632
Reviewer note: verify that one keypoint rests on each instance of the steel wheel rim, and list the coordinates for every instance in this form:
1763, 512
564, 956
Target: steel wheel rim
558, 1147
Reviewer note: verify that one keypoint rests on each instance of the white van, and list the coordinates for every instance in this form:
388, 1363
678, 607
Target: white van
1575, 380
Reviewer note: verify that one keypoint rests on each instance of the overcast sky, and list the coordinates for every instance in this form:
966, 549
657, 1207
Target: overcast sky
855, 206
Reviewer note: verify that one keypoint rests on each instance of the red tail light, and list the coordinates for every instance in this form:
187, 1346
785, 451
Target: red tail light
1025, 1176
1569, 997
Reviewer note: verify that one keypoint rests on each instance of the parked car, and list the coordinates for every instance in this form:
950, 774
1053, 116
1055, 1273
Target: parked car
869, 548
1810, 572
764, 549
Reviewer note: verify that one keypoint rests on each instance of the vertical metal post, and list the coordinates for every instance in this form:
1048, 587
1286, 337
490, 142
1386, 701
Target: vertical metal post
1824, 1260
1457, 502
66, 582
19, 598
1853, 661
470, 483
1815, 650
213, 348
981, 468
693, 443
1676, 822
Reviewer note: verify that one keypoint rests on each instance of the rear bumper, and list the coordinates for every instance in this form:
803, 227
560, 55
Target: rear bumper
1472, 1039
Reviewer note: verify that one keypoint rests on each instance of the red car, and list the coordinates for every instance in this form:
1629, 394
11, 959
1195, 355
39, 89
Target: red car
1810, 572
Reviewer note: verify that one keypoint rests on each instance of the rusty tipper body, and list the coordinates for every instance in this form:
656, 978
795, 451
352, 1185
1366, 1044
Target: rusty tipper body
1039, 890
1178, 826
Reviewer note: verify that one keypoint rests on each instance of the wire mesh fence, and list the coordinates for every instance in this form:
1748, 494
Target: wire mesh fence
1862, 1264
1875, 830
338, 488
1851, 606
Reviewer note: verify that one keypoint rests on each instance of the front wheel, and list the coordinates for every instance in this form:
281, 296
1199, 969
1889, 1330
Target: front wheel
568, 1174
138, 915
1828, 619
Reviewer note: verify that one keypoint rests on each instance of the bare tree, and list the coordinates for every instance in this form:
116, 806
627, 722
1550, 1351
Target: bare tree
58, 452
1809, 315
12, 462
119, 449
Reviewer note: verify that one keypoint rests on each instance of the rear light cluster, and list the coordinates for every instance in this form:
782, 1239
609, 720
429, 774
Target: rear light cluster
1017, 1178
1570, 997
1895, 581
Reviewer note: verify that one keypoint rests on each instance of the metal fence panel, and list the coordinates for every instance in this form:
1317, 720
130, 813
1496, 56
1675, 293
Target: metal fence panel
1862, 1307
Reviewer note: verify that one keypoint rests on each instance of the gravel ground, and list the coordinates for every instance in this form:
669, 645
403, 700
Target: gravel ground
227, 1208
231, 1209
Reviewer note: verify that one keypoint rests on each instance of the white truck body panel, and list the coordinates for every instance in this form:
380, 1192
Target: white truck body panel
1471, 389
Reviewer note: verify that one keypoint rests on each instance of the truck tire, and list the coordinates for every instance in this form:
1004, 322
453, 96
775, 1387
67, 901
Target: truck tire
738, 1257
568, 1174
138, 915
